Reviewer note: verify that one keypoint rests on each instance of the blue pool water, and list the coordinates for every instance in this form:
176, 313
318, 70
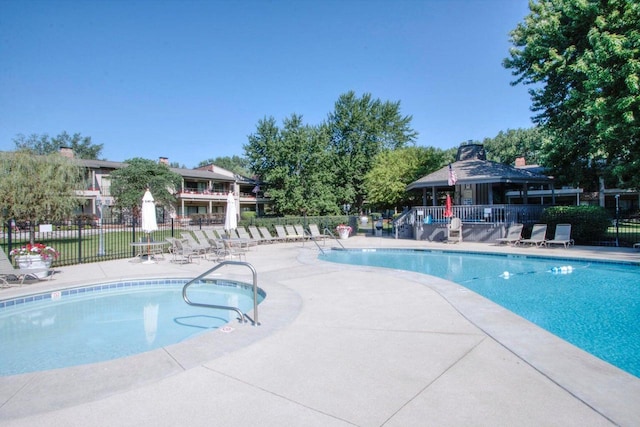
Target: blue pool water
593, 305
108, 321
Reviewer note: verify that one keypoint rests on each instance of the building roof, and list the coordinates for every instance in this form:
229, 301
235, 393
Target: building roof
472, 168
185, 173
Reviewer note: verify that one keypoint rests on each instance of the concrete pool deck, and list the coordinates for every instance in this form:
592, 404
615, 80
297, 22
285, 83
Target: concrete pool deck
338, 345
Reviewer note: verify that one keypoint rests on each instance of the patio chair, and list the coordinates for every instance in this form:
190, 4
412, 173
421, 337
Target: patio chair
316, 234
242, 234
538, 236
255, 235
182, 252
300, 231
562, 236
214, 247
454, 231
8, 273
292, 233
267, 235
282, 234
232, 250
514, 235
199, 247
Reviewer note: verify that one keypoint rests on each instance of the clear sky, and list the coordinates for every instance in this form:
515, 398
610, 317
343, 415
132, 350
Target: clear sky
189, 80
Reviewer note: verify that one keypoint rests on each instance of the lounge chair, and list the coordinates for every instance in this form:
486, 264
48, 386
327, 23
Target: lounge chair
292, 233
454, 230
267, 235
233, 250
300, 231
316, 234
562, 236
282, 234
514, 235
538, 236
242, 234
255, 235
182, 252
202, 248
215, 248
8, 273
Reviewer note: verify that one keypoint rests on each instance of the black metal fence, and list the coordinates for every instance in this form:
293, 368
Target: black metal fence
86, 241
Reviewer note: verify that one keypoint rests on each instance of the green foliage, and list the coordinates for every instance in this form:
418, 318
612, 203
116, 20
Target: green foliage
247, 215
588, 223
295, 164
235, 164
360, 129
128, 184
583, 60
38, 188
507, 146
393, 170
43, 144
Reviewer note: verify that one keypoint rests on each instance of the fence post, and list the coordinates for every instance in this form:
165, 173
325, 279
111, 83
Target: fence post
80, 240
133, 236
9, 237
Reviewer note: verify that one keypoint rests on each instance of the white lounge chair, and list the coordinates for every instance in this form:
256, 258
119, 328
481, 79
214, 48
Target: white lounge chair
282, 234
316, 234
514, 235
266, 234
562, 236
293, 234
538, 235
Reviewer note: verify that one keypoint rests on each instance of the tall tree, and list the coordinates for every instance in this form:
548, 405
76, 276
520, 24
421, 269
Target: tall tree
507, 146
38, 188
235, 164
82, 146
129, 184
359, 129
582, 58
393, 170
295, 165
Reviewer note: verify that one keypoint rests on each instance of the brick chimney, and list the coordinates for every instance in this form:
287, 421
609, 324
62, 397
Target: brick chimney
66, 152
520, 161
164, 160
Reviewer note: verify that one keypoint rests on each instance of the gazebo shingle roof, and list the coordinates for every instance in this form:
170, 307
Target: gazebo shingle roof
475, 171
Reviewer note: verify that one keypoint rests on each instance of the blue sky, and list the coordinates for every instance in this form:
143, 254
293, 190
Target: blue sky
189, 80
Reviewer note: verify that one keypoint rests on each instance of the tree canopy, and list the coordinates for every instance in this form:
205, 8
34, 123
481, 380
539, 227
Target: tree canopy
359, 129
507, 146
82, 146
235, 164
38, 188
295, 164
393, 170
128, 184
582, 59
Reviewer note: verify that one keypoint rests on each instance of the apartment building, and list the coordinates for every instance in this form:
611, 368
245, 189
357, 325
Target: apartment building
203, 191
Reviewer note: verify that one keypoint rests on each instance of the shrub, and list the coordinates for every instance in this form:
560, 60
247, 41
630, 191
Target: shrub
588, 223
247, 215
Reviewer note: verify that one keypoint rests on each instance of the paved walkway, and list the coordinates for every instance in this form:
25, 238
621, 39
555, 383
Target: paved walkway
338, 346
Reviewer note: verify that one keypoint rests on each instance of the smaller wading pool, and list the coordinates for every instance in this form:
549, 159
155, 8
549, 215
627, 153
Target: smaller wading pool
111, 320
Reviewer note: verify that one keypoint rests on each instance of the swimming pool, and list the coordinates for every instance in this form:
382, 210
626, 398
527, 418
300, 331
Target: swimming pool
593, 305
110, 320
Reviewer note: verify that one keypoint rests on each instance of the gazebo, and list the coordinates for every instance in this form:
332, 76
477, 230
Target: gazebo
478, 188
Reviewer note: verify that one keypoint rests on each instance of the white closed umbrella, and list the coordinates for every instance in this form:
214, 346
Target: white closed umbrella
149, 222
231, 216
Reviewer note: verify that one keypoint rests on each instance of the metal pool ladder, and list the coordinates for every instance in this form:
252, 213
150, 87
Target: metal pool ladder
243, 316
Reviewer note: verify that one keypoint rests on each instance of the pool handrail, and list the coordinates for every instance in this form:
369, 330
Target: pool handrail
243, 316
